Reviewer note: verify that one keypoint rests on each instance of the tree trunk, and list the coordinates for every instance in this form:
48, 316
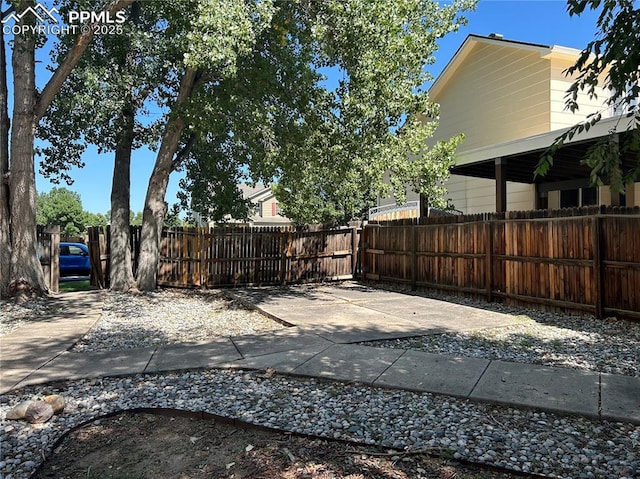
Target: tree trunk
26, 271
154, 205
121, 271
5, 235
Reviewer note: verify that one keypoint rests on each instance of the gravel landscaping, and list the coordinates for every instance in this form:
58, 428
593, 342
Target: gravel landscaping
14, 315
522, 440
170, 316
549, 339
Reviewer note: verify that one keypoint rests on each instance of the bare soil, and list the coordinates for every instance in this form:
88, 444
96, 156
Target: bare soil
135, 446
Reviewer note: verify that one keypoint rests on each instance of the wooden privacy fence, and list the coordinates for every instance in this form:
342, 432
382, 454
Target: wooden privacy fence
212, 257
588, 263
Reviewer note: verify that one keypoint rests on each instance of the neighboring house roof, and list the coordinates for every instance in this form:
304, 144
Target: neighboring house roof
259, 193
251, 191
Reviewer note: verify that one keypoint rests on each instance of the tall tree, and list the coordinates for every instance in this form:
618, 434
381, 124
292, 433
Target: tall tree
104, 104
326, 147
61, 207
29, 106
614, 55
5, 236
221, 31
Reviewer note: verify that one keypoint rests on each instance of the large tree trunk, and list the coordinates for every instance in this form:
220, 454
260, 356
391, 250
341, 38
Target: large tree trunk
5, 235
154, 205
26, 270
121, 271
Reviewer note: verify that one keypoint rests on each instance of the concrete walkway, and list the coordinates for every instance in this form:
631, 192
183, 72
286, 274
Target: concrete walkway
325, 322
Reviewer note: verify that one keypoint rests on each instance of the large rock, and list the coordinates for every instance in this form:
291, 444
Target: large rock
18, 412
57, 402
38, 412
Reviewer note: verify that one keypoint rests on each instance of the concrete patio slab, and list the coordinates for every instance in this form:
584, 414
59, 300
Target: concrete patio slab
341, 334
278, 341
555, 389
193, 355
91, 365
620, 398
286, 297
354, 292
284, 362
361, 364
440, 374
431, 314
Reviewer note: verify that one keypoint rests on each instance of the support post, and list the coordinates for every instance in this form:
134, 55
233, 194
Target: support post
424, 207
501, 185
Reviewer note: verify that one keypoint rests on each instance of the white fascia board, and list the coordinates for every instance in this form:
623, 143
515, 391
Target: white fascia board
538, 142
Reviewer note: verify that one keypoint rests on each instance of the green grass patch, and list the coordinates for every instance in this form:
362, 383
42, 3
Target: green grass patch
70, 286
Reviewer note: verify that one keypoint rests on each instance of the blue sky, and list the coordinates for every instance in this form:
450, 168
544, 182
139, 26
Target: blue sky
545, 22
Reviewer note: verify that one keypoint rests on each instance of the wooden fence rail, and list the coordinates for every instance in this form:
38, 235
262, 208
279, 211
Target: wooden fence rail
584, 263
212, 257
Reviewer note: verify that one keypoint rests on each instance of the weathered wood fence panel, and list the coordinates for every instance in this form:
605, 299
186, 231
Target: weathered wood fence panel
211, 257
577, 259
48, 238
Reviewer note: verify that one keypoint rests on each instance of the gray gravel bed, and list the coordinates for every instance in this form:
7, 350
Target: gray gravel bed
13, 315
170, 316
523, 440
550, 339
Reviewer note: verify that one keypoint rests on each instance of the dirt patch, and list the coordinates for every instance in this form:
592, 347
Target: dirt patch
150, 446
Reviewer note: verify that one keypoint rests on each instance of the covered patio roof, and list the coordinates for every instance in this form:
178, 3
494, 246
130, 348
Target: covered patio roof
522, 156
516, 161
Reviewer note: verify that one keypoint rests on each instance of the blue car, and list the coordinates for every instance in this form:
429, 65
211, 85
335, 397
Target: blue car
74, 259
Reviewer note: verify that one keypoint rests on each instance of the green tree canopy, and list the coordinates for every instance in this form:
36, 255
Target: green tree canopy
327, 147
61, 207
614, 55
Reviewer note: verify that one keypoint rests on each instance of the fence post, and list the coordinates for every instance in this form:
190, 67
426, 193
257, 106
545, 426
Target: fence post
598, 284
354, 251
414, 256
53, 273
489, 264
363, 253
96, 257
202, 235
284, 247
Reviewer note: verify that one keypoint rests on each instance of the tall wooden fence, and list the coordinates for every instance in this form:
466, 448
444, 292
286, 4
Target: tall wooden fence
577, 259
212, 257
48, 238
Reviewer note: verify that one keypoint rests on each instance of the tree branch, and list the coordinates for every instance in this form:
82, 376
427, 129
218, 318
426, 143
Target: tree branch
64, 70
182, 154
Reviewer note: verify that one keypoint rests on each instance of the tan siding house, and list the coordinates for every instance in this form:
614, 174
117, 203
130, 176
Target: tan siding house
508, 98
266, 211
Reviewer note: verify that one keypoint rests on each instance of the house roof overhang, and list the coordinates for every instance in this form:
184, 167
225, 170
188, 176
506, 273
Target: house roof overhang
523, 155
545, 51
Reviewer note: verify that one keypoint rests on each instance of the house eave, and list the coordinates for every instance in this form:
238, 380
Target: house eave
538, 142
466, 47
